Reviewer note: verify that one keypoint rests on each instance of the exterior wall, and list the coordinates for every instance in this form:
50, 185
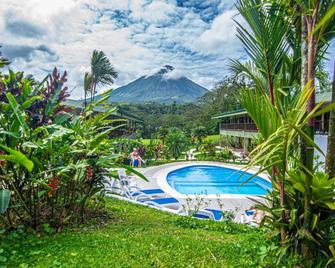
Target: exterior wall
321, 141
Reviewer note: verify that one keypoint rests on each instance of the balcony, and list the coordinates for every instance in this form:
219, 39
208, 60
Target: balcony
249, 127
321, 127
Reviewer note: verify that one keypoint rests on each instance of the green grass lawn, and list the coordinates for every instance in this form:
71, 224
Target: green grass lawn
138, 236
147, 141
212, 138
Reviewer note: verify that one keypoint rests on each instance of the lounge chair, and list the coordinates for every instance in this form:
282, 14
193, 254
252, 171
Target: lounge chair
166, 202
249, 217
125, 179
170, 202
207, 213
151, 197
137, 194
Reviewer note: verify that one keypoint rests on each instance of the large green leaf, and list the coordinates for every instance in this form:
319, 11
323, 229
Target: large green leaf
61, 118
4, 200
29, 102
17, 112
16, 157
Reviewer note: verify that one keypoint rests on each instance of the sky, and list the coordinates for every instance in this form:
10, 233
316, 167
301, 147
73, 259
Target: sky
197, 37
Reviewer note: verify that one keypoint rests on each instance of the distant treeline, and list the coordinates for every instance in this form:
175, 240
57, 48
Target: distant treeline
223, 98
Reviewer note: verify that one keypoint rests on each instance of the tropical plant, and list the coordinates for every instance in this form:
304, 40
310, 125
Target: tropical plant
208, 148
274, 45
162, 133
198, 134
265, 42
102, 73
52, 162
176, 142
286, 203
155, 149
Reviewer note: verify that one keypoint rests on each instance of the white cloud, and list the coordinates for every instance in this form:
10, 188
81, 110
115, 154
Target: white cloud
221, 36
139, 36
152, 12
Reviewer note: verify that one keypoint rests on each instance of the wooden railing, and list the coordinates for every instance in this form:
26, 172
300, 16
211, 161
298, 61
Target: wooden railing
239, 126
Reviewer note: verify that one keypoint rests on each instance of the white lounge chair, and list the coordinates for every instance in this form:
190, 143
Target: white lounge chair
207, 213
170, 202
166, 202
137, 194
249, 217
125, 179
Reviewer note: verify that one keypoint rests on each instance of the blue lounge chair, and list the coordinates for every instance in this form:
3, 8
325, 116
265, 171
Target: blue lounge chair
249, 217
151, 197
167, 202
138, 194
207, 213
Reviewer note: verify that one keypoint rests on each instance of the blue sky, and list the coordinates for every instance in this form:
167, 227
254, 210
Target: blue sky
139, 36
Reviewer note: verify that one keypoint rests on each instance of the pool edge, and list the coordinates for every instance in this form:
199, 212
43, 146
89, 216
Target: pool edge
161, 177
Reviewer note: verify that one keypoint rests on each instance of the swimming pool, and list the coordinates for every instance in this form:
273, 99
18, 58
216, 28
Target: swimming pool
205, 179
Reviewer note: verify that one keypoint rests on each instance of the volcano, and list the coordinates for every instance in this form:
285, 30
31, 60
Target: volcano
162, 87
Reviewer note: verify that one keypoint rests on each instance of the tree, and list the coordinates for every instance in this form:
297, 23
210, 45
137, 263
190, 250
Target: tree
279, 96
176, 141
318, 20
269, 61
221, 99
198, 134
102, 73
162, 133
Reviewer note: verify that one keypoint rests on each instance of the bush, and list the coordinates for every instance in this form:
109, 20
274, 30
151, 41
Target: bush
53, 162
176, 142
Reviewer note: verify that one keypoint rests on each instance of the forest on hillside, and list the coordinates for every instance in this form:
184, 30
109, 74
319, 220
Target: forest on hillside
157, 116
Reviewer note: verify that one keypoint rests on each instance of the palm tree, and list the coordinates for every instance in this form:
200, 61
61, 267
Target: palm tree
267, 43
274, 50
102, 73
176, 141
317, 18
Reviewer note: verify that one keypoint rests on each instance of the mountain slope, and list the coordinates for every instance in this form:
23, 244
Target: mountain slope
159, 88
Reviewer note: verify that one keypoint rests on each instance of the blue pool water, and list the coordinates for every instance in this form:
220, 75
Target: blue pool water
203, 179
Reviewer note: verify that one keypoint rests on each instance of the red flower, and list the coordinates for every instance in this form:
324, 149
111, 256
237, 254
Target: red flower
89, 173
53, 184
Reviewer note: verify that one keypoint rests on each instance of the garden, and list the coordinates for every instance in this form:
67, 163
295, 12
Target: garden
55, 161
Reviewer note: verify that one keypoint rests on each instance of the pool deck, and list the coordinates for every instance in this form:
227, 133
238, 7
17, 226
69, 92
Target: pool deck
236, 202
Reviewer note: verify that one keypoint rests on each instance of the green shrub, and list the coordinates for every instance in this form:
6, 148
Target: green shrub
61, 159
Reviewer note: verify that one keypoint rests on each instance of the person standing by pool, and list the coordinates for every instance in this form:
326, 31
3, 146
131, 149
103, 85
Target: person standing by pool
136, 160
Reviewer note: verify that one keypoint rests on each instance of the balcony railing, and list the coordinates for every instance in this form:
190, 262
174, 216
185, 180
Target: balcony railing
321, 127
239, 126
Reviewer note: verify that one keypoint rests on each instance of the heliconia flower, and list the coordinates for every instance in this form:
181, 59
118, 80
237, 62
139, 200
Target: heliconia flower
89, 173
53, 184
